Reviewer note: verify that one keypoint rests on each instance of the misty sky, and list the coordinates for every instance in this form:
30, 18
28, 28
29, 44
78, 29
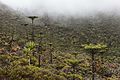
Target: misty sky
71, 7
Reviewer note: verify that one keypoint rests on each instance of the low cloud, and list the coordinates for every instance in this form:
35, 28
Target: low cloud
65, 7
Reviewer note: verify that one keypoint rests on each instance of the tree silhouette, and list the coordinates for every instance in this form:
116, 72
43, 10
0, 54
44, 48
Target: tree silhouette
94, 49
33, 33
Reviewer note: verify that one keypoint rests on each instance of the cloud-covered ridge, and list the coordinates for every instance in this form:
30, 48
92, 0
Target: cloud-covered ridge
66, 7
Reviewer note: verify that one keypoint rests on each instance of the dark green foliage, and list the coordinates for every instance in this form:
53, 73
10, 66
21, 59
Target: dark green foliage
51, 49
93, 49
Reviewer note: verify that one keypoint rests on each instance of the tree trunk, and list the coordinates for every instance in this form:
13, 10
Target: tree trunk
93, 66
51, 57
39, 60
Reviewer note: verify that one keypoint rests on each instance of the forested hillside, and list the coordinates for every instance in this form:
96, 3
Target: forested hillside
59, 48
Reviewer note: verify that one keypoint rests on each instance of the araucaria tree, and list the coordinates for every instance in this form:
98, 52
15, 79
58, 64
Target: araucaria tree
93, 49
28, 50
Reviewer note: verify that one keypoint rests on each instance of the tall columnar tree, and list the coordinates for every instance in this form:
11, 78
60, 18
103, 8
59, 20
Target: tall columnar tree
39, 51
51, 54
33, 27
93, 49
74, 64
27, 31
39, 47
28, 50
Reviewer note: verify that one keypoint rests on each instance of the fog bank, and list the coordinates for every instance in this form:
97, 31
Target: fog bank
64, 7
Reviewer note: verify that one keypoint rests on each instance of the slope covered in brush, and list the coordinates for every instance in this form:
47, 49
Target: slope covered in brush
10, 18
73, 32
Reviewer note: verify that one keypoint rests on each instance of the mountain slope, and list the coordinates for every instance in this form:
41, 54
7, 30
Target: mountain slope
10, 18
66, 33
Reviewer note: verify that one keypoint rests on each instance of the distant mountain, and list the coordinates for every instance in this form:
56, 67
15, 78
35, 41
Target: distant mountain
73, 32
10, 18
65, 33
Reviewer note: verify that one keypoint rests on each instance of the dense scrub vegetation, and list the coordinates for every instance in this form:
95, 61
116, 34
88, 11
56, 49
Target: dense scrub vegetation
82, 48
